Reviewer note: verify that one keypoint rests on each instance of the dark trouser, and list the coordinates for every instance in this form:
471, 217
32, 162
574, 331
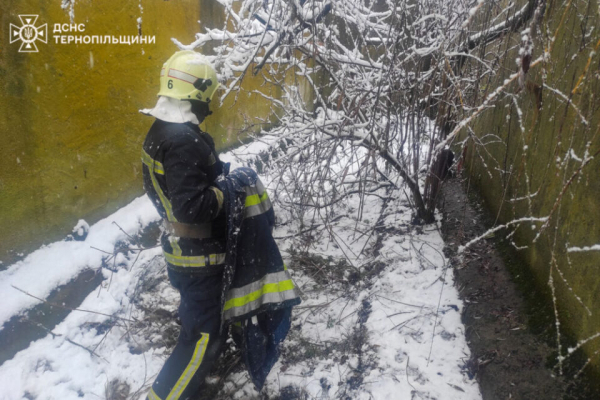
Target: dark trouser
199, 341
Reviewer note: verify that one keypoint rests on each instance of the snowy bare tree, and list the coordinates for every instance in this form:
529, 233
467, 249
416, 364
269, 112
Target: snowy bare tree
394, 84
386, 76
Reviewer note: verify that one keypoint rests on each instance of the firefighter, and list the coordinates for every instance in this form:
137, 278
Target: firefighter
180, 166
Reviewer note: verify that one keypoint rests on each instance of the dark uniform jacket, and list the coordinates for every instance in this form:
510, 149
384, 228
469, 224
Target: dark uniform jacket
180, 165
258, 291
256, 279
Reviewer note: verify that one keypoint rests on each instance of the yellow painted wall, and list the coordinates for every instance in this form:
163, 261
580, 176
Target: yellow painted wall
69, 122
551, 126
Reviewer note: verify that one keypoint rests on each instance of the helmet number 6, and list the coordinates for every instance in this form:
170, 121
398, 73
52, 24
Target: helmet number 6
170, 84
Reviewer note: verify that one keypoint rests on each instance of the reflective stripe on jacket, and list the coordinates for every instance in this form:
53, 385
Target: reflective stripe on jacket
180, 166
256, 278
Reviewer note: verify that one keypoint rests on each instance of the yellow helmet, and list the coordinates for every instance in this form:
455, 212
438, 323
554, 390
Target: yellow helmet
188, 76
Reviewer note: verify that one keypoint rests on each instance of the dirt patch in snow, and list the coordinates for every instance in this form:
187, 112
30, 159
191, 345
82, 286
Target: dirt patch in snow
19, 331
508, 321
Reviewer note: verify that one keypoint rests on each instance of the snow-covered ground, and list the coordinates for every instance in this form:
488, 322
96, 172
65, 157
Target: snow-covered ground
56, 264
380, 317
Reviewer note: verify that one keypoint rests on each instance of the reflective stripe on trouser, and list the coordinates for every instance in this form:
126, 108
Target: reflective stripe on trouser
257, 200
275, 287
153, 396
185, 370
199, 341
155, 167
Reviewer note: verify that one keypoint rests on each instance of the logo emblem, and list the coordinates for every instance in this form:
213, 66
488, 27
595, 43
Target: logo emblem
28, 33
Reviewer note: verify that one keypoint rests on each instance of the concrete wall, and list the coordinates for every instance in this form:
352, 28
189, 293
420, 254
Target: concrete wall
69, 122
534, 151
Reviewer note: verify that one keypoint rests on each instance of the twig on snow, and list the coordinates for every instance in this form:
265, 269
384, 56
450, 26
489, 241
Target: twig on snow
70, 308
407, 361
85, 348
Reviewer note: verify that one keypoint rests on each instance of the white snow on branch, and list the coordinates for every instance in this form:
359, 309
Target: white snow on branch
499, 227
595, 247
530, 196
569, 102
502, 25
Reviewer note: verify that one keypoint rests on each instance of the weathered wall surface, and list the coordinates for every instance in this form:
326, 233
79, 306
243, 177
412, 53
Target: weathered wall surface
70, 131
539, 165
